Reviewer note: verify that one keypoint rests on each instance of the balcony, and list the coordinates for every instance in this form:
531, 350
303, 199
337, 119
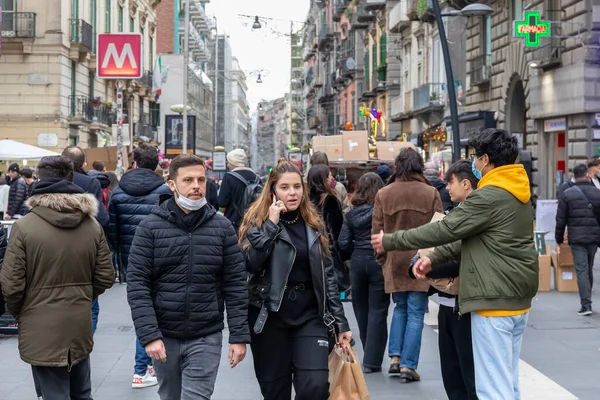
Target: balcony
18, 28
83, 110
82, 39
374, 5
143, 128
103, 117
398, 17
408, 102
198, 16
326, 38
380, 79
412, 10
428, 97
481, 68
339, 9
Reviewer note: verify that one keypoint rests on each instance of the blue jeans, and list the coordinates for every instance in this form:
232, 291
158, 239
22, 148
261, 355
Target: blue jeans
407, 327
95, 313
496, 350
142, 360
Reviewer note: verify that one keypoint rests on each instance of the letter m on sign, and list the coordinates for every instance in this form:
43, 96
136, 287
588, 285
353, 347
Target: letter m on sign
119, 56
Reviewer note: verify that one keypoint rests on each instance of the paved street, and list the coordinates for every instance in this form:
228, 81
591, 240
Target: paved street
560, 358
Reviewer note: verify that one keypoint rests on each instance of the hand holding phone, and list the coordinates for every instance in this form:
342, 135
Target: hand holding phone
276, 209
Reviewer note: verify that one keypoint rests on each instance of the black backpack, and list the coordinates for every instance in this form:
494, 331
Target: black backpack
251, 193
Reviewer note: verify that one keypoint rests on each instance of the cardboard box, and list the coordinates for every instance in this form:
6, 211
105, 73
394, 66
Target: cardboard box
564, 255
108, 155
355, 145
544, 262
334, 148
565, 278
319, 143
389, 150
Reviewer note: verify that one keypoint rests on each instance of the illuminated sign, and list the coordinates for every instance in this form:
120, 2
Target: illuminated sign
119, 56
532, 28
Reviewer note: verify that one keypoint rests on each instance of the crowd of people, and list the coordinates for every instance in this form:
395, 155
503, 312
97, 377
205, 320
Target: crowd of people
273, 258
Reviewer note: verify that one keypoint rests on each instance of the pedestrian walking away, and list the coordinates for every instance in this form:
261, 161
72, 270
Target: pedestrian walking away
492, 233
138, 192
369, 300
293, 293
579, 211
408, 202
59, 252
185, 270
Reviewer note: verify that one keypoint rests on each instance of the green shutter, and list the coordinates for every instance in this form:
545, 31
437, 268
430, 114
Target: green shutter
383, 49
120, 27
367, 66
374, 56
93, 18
107, 24
151, 53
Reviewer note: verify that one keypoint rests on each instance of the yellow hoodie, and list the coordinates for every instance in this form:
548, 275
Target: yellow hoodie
511, 178
514, 180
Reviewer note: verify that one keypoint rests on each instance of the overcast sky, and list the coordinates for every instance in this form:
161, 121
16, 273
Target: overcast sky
260, 49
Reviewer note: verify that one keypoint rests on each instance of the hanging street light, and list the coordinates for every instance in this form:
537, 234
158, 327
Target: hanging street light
258, 80
256, 24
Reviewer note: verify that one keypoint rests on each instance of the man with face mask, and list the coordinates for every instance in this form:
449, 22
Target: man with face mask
185, 267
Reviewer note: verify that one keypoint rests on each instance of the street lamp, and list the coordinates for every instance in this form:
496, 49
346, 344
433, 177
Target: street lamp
469, 11
258, 80
256, 24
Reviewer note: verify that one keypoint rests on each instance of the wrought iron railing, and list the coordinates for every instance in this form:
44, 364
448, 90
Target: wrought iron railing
428, 95
18, 24
81, 32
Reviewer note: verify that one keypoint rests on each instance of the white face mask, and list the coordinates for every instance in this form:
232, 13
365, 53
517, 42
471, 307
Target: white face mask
189, 204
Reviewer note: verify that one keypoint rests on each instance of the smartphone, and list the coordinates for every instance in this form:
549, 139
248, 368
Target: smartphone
276, 196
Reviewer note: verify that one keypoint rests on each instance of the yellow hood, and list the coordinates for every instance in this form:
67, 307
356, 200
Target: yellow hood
511, 178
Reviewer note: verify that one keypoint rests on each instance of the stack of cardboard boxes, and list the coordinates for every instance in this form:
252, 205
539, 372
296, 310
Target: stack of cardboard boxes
354, 146
565, 278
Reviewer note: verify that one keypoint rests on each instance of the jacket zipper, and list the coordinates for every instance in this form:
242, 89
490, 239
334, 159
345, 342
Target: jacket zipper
189, 279
289, 271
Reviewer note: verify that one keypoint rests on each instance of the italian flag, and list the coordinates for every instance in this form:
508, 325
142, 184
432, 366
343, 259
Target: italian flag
157, 78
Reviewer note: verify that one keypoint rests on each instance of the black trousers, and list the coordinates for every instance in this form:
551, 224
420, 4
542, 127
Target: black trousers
371, 304
285, 355
58, 383
456, 354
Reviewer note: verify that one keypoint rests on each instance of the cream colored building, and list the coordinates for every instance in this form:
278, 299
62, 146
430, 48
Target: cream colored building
48, 81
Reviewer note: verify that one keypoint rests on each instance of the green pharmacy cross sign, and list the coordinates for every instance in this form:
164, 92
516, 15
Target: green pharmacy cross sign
532, 28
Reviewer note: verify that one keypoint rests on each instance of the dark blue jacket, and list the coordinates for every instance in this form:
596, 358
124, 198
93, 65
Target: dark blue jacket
92, 186
182, 275
131, 202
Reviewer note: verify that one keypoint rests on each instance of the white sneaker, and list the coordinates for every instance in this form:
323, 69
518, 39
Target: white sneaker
145, 381
150, 370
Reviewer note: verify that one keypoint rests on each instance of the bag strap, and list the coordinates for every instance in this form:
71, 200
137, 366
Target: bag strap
584, 196
240, 177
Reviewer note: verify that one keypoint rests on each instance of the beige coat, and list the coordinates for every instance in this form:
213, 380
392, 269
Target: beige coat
56, 263
399, 206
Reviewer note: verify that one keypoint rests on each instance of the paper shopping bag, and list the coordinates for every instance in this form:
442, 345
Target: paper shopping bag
346, 378
425, 252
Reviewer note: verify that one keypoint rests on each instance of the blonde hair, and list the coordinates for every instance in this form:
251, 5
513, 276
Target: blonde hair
258, 213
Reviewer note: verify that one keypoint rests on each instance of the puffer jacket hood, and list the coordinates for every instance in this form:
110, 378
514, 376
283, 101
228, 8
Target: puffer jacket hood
64, 210
140, 182
102, 178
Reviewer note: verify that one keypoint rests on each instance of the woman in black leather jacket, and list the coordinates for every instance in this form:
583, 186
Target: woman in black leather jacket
292, 290
369, 300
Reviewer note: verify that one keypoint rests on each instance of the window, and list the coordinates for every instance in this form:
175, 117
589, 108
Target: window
120, 22
75, 9
108, 17
438, 74
8, 6
131, 24
73, 86
383, 49
91, 78
517, 10
353, 109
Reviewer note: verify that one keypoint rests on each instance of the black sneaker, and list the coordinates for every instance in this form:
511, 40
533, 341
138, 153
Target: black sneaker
585, 312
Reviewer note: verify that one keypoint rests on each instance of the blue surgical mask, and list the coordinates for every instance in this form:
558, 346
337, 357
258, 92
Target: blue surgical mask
476, 171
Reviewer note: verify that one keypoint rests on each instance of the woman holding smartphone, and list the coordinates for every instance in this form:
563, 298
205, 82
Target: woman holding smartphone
292, 290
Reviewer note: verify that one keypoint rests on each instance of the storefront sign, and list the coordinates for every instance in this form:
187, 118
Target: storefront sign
555, 125
532, 28
219, 161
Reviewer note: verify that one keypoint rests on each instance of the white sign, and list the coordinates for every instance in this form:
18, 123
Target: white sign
596, 133
47, 140
219, 161
545, 215
126, 136
295, 156
555, 125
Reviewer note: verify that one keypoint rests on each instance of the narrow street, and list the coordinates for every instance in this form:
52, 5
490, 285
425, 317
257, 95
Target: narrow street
559, 358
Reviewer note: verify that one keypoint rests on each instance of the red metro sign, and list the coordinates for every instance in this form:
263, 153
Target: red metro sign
119, 56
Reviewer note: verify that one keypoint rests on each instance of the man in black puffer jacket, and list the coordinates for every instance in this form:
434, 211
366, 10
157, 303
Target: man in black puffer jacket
185, 268
17, 193
579, 211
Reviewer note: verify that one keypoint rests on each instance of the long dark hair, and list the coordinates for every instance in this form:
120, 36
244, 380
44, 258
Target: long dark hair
318, 185
258, 212
409, 164
366, 189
